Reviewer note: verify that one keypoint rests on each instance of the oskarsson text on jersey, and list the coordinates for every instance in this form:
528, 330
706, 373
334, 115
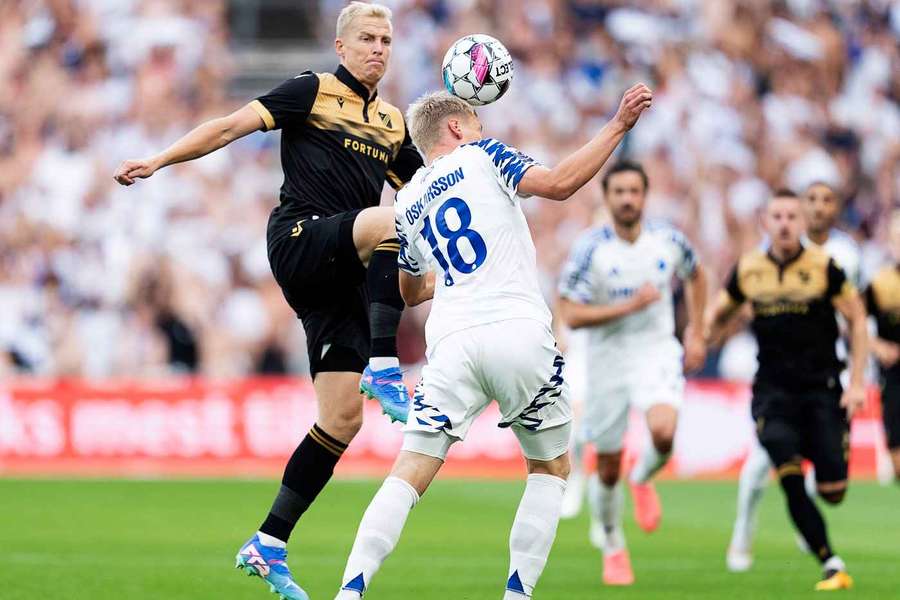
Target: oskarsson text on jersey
437, 187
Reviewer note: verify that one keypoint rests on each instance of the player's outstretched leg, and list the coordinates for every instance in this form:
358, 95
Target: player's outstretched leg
534, 528
382, 380
661, 421
607, 503
752, 484
385, 518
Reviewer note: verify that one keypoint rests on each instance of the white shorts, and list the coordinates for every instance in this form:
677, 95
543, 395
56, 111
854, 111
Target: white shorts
646, 382
514, 362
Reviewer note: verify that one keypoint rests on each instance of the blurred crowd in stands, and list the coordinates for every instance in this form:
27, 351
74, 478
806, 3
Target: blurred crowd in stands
171, 276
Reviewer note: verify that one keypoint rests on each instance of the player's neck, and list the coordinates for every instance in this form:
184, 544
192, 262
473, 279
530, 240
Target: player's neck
628, 233
818, 237
441, 149
369, 87
784, 254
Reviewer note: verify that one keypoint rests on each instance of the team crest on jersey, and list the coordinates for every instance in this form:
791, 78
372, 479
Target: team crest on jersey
386, 119
340, 101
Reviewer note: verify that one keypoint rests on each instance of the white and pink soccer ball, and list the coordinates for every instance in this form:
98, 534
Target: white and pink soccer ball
478, 69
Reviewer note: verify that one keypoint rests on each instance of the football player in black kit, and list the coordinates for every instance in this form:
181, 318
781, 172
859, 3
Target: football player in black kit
332, 249
796, 291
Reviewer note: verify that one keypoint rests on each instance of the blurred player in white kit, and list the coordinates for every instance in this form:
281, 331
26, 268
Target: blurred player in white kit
488, 335
617, 284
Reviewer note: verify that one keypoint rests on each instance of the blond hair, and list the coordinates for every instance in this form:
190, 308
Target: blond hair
360, 9
426, 115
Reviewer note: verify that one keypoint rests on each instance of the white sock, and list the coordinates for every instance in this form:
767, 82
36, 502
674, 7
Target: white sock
751, 485
380, 363
834, 563
607, 503
267, 540
533, 532
648, 464
810, 484
377, 535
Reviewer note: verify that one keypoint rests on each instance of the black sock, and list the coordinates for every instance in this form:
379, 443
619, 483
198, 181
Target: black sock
385, 302
306, 473
803, 511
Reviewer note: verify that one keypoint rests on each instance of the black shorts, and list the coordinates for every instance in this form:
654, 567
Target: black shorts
810, 424
890, 410
323, 280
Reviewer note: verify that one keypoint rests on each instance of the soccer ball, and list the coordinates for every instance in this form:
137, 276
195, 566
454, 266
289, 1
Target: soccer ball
478, 69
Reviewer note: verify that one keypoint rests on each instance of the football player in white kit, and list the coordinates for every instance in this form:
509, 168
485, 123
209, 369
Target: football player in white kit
488, 335
822, 208
617, 283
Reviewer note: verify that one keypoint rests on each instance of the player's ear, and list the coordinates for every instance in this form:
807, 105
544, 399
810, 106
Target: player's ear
455, 128
339, 47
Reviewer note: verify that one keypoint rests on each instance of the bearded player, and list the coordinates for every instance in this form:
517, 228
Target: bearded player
617, 285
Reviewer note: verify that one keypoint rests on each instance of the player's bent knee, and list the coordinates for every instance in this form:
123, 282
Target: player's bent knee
833, 492
663, 440
609, 468
558, 467
371, 227
344, 425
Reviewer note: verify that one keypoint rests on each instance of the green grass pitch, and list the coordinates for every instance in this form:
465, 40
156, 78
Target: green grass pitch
132, 540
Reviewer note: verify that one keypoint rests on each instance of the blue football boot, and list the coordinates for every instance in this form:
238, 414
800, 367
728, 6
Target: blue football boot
269, 564
388, 388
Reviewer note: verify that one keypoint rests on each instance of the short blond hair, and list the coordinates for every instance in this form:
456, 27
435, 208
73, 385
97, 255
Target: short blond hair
360, 9
426, 115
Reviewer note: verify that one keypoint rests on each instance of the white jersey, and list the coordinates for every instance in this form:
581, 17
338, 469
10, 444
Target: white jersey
846, 253
604, 269
460, 216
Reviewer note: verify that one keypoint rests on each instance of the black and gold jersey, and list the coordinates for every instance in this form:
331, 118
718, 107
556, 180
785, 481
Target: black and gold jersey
883, 303
338, 146
794, 319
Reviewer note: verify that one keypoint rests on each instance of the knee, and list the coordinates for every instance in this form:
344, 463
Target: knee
608, 469
663, 438
833, 493
343, 425
558, 467
661, 421
383, 225
561, 469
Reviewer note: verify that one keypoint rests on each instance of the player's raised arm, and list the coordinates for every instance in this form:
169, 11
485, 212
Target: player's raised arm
581, 166
203, 139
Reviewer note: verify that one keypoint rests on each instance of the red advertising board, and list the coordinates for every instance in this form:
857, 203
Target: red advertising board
248, 427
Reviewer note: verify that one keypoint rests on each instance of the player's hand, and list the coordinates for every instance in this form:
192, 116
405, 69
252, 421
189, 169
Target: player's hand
886, 353
854, 399
694, 350
636, 100
130, 170
646, 295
